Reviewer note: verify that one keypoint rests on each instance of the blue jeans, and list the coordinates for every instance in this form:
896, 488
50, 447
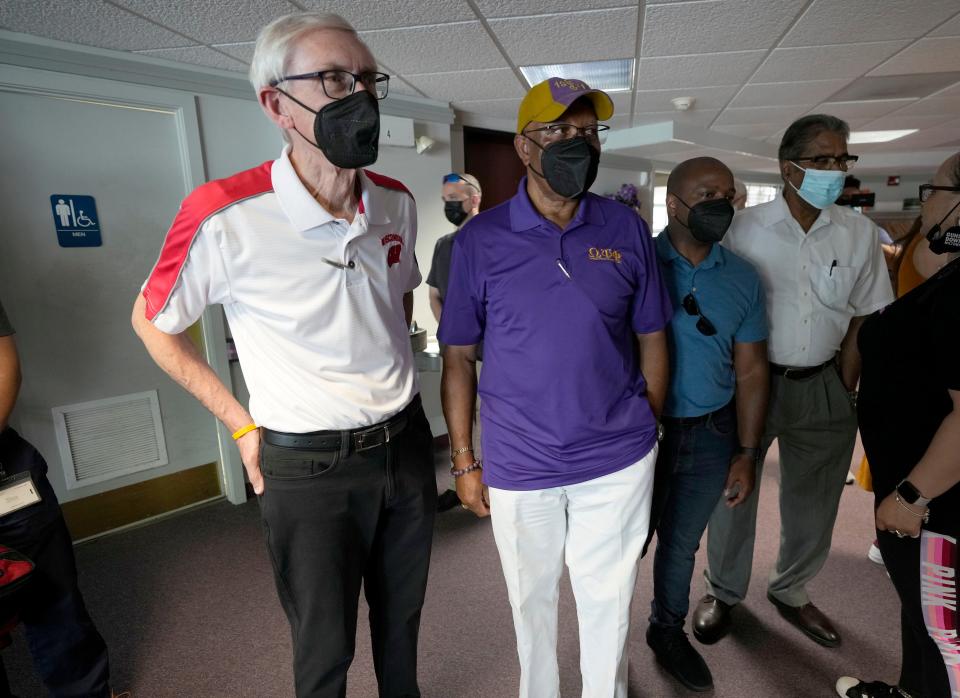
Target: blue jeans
691, 471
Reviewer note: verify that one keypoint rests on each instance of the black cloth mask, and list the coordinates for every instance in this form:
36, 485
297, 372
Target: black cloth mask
347, 130
708, 221
454, 212
945, 241
570, 166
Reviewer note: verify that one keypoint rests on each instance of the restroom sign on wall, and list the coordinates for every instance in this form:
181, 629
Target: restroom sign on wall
75, 218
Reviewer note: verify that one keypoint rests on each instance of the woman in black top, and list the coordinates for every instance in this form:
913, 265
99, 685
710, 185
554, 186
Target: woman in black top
909, 413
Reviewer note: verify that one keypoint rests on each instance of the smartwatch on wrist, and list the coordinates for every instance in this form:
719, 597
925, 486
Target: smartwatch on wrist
910, 494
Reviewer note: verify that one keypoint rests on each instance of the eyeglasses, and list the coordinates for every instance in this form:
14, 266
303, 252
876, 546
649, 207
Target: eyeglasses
564, 132
338, 84
828, 162
926, 190
704, 326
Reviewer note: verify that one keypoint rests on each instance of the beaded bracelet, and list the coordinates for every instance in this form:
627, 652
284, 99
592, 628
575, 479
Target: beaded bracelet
925, 515
476, 465
457, 452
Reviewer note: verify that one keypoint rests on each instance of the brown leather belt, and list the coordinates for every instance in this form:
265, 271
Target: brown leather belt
799, 372
361, 439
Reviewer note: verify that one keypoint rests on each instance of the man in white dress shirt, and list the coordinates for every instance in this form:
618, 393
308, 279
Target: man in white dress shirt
823, 273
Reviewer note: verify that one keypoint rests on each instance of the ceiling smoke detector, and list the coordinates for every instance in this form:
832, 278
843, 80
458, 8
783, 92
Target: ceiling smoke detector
683, 103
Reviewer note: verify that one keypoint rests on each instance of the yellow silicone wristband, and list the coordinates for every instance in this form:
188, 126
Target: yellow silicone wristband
243, 430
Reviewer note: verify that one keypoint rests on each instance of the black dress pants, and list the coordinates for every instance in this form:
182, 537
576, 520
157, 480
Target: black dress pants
335, 520
67, 651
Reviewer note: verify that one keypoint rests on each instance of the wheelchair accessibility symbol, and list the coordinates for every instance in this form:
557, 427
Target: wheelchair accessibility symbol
75, 219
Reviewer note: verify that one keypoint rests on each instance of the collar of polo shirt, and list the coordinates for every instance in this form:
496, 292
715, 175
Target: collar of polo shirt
525, 216
668, 253
304, 211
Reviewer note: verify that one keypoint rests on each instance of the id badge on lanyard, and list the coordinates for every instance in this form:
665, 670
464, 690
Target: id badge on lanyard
16, 492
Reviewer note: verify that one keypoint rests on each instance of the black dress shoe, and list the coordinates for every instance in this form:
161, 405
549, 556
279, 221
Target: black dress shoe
711, 619
447, 500
811, 620
675, 654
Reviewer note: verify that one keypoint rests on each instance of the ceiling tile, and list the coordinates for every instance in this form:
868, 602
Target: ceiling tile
761, 115
461, 46
926, 56
860, 110
951, 28
707, 70
620, 121
496, 83
570, 37
757, 131
213, 21
197, 55
707, 97
622, 102
928, 137
915, 85
519, 8
242, 51
933, 106
713, 26
87, 22
840, 61
832, 22
787, 93
382, 14
898, 121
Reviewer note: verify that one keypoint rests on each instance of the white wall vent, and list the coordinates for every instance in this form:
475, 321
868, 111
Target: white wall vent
104, 439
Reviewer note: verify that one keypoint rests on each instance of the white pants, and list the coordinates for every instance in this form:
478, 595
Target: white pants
598, 527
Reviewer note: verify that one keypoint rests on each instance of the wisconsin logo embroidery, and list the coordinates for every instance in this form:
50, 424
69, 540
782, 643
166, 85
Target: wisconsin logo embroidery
598, 255
393, 253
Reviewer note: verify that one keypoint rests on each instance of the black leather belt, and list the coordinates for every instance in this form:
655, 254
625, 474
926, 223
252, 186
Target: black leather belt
799, 372
361, 439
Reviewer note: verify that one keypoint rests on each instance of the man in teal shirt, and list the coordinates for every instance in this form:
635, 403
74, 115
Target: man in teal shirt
716, 399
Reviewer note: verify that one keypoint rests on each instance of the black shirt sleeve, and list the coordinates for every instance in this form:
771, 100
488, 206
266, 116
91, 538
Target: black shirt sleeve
5, 327
432, 276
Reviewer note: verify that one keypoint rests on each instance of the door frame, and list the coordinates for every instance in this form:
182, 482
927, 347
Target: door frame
183, 106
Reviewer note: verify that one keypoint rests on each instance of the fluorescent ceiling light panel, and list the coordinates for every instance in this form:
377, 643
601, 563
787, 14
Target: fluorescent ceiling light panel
879, 136
609, 76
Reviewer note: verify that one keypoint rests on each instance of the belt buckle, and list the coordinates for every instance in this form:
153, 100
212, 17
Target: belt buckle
369, 432
789, 371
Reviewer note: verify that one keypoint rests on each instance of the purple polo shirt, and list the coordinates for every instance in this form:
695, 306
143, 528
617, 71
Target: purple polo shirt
562, 397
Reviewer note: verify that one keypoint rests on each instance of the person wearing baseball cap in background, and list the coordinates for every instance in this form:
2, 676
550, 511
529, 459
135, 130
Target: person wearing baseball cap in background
562, 286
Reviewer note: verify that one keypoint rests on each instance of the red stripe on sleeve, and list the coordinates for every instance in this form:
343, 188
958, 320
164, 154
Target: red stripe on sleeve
203, 202
387, 182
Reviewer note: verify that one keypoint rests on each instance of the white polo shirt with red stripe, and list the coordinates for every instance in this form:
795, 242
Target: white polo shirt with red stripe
321, 346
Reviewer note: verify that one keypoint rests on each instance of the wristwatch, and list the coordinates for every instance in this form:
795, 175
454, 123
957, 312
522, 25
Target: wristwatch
911, 495
755, 454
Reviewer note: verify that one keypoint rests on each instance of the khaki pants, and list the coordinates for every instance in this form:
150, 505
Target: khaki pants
815, 425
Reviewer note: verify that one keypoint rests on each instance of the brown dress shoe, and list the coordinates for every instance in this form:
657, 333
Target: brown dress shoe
711, 619
811, 620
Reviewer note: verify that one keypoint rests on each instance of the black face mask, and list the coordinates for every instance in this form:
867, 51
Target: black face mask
347, 130
944, 241
708, 221
570, 166
454, 212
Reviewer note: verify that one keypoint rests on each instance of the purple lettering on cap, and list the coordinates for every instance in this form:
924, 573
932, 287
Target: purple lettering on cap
565, 90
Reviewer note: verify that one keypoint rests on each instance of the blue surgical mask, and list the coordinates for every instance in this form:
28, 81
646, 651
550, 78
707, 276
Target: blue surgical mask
819, 188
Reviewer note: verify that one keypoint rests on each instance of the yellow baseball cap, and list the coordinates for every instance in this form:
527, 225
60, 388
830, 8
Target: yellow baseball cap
549, 99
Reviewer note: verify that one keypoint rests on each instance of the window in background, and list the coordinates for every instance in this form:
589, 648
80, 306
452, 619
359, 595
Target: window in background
659, 210
761, 193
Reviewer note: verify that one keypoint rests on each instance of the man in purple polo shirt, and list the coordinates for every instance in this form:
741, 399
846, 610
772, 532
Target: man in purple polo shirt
563, 288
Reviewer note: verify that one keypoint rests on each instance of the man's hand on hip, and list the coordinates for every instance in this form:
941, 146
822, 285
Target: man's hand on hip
249, 445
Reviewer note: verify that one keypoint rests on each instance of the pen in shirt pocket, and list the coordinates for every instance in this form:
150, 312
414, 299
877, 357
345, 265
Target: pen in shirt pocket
834, 264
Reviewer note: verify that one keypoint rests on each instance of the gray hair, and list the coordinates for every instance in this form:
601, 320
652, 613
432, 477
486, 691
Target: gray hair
276, 41
802, 131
